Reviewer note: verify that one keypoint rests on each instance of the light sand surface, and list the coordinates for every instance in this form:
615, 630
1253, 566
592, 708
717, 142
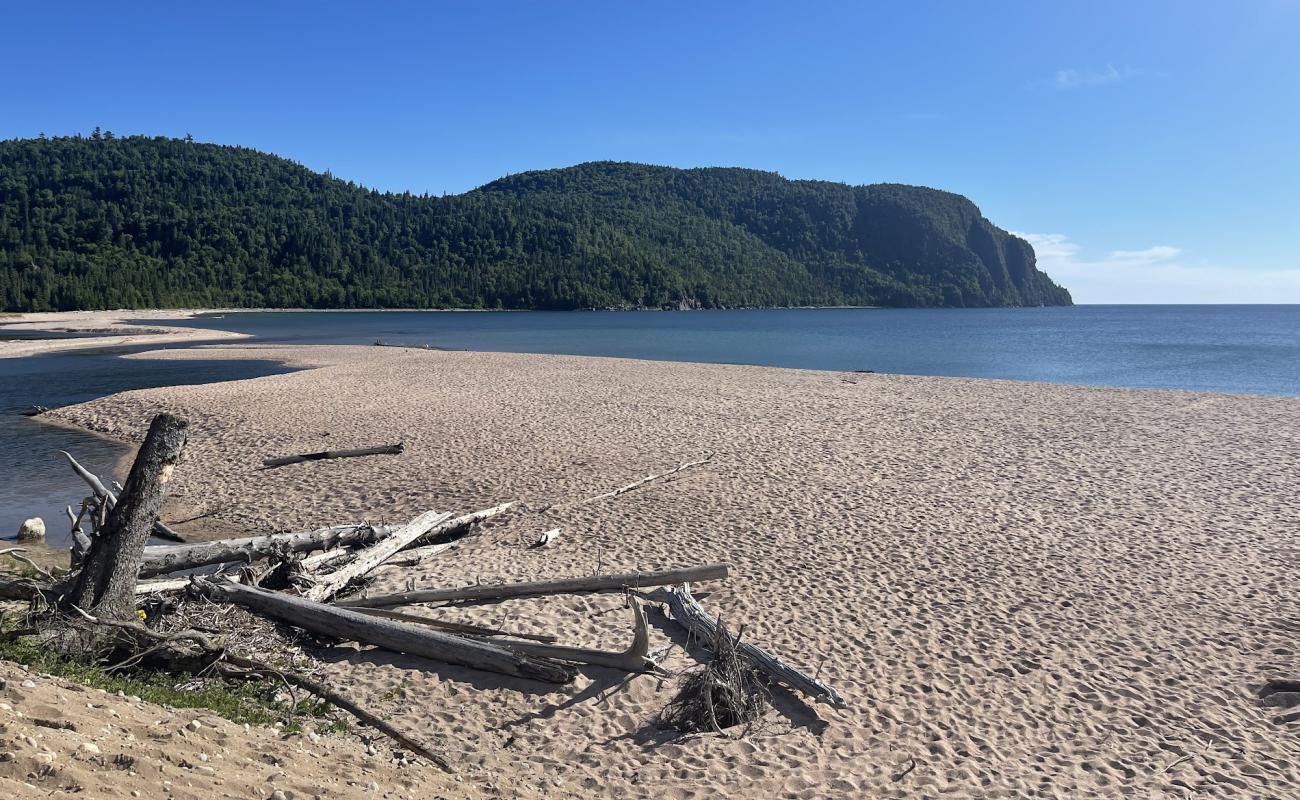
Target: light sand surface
122, 747
1020, 589
100, 329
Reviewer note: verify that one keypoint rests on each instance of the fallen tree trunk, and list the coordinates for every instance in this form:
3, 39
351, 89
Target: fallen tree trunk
384, 450
699, 623
388, 634
161, 559
373, 556
455, 627
593, 583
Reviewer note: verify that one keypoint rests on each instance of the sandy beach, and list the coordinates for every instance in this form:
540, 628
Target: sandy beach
1020, 589
100, 329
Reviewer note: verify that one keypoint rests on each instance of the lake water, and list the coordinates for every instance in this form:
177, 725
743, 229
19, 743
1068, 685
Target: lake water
35, 481
1222, 348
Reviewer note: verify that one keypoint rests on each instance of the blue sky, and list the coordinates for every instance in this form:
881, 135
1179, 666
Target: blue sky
1150, 150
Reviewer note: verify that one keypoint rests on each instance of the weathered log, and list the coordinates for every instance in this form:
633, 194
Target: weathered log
500, 591
105, 584
633, 659
699, 623
109, 499
389, 634
385, 450
161, 559
455, 627
373, 556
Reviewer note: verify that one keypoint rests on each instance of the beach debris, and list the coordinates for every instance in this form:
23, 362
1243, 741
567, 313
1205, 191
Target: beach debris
642, 482
382, 450
585, 585
546, 538
389, 634
686, 610
32, 530
725, 692
235, 609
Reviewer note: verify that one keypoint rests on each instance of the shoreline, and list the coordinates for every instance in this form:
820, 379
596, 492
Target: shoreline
988, 571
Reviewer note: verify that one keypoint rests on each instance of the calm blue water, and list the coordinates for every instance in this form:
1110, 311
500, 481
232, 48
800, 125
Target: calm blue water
35, 481
1222, 348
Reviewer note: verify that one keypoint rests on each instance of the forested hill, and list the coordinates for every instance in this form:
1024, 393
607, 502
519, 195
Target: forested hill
107, 222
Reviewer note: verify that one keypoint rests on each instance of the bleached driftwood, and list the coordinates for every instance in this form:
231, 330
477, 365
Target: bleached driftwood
109, 499
389, 634
501, 591
161, 559
384, 450
633, 659
376, 554
691, 615
455, 627
637, 484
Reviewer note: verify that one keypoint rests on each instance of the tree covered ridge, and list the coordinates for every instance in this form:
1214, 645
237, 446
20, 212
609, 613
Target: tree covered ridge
112, 222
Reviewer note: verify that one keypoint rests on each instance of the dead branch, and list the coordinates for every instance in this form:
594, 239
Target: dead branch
633, 659
640, 483
247, 665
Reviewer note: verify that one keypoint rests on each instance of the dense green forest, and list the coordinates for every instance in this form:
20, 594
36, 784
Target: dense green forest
131, 222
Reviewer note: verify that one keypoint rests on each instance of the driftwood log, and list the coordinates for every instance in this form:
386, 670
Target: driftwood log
384, 450
376, 554
389, 634
161, 559
455, 627
105, 584
502, 591
704, 627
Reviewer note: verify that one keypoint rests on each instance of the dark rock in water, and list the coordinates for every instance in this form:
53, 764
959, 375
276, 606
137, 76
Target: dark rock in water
34, 411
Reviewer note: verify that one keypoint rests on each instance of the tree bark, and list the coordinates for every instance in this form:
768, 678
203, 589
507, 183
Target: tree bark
593, 583
399, 637
105, 585
692, 616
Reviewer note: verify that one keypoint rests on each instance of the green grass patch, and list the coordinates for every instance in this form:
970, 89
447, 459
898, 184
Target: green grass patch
251, 702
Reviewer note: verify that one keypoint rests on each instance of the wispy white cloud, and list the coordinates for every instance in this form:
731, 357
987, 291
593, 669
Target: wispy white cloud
1156, 274
1077, 78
